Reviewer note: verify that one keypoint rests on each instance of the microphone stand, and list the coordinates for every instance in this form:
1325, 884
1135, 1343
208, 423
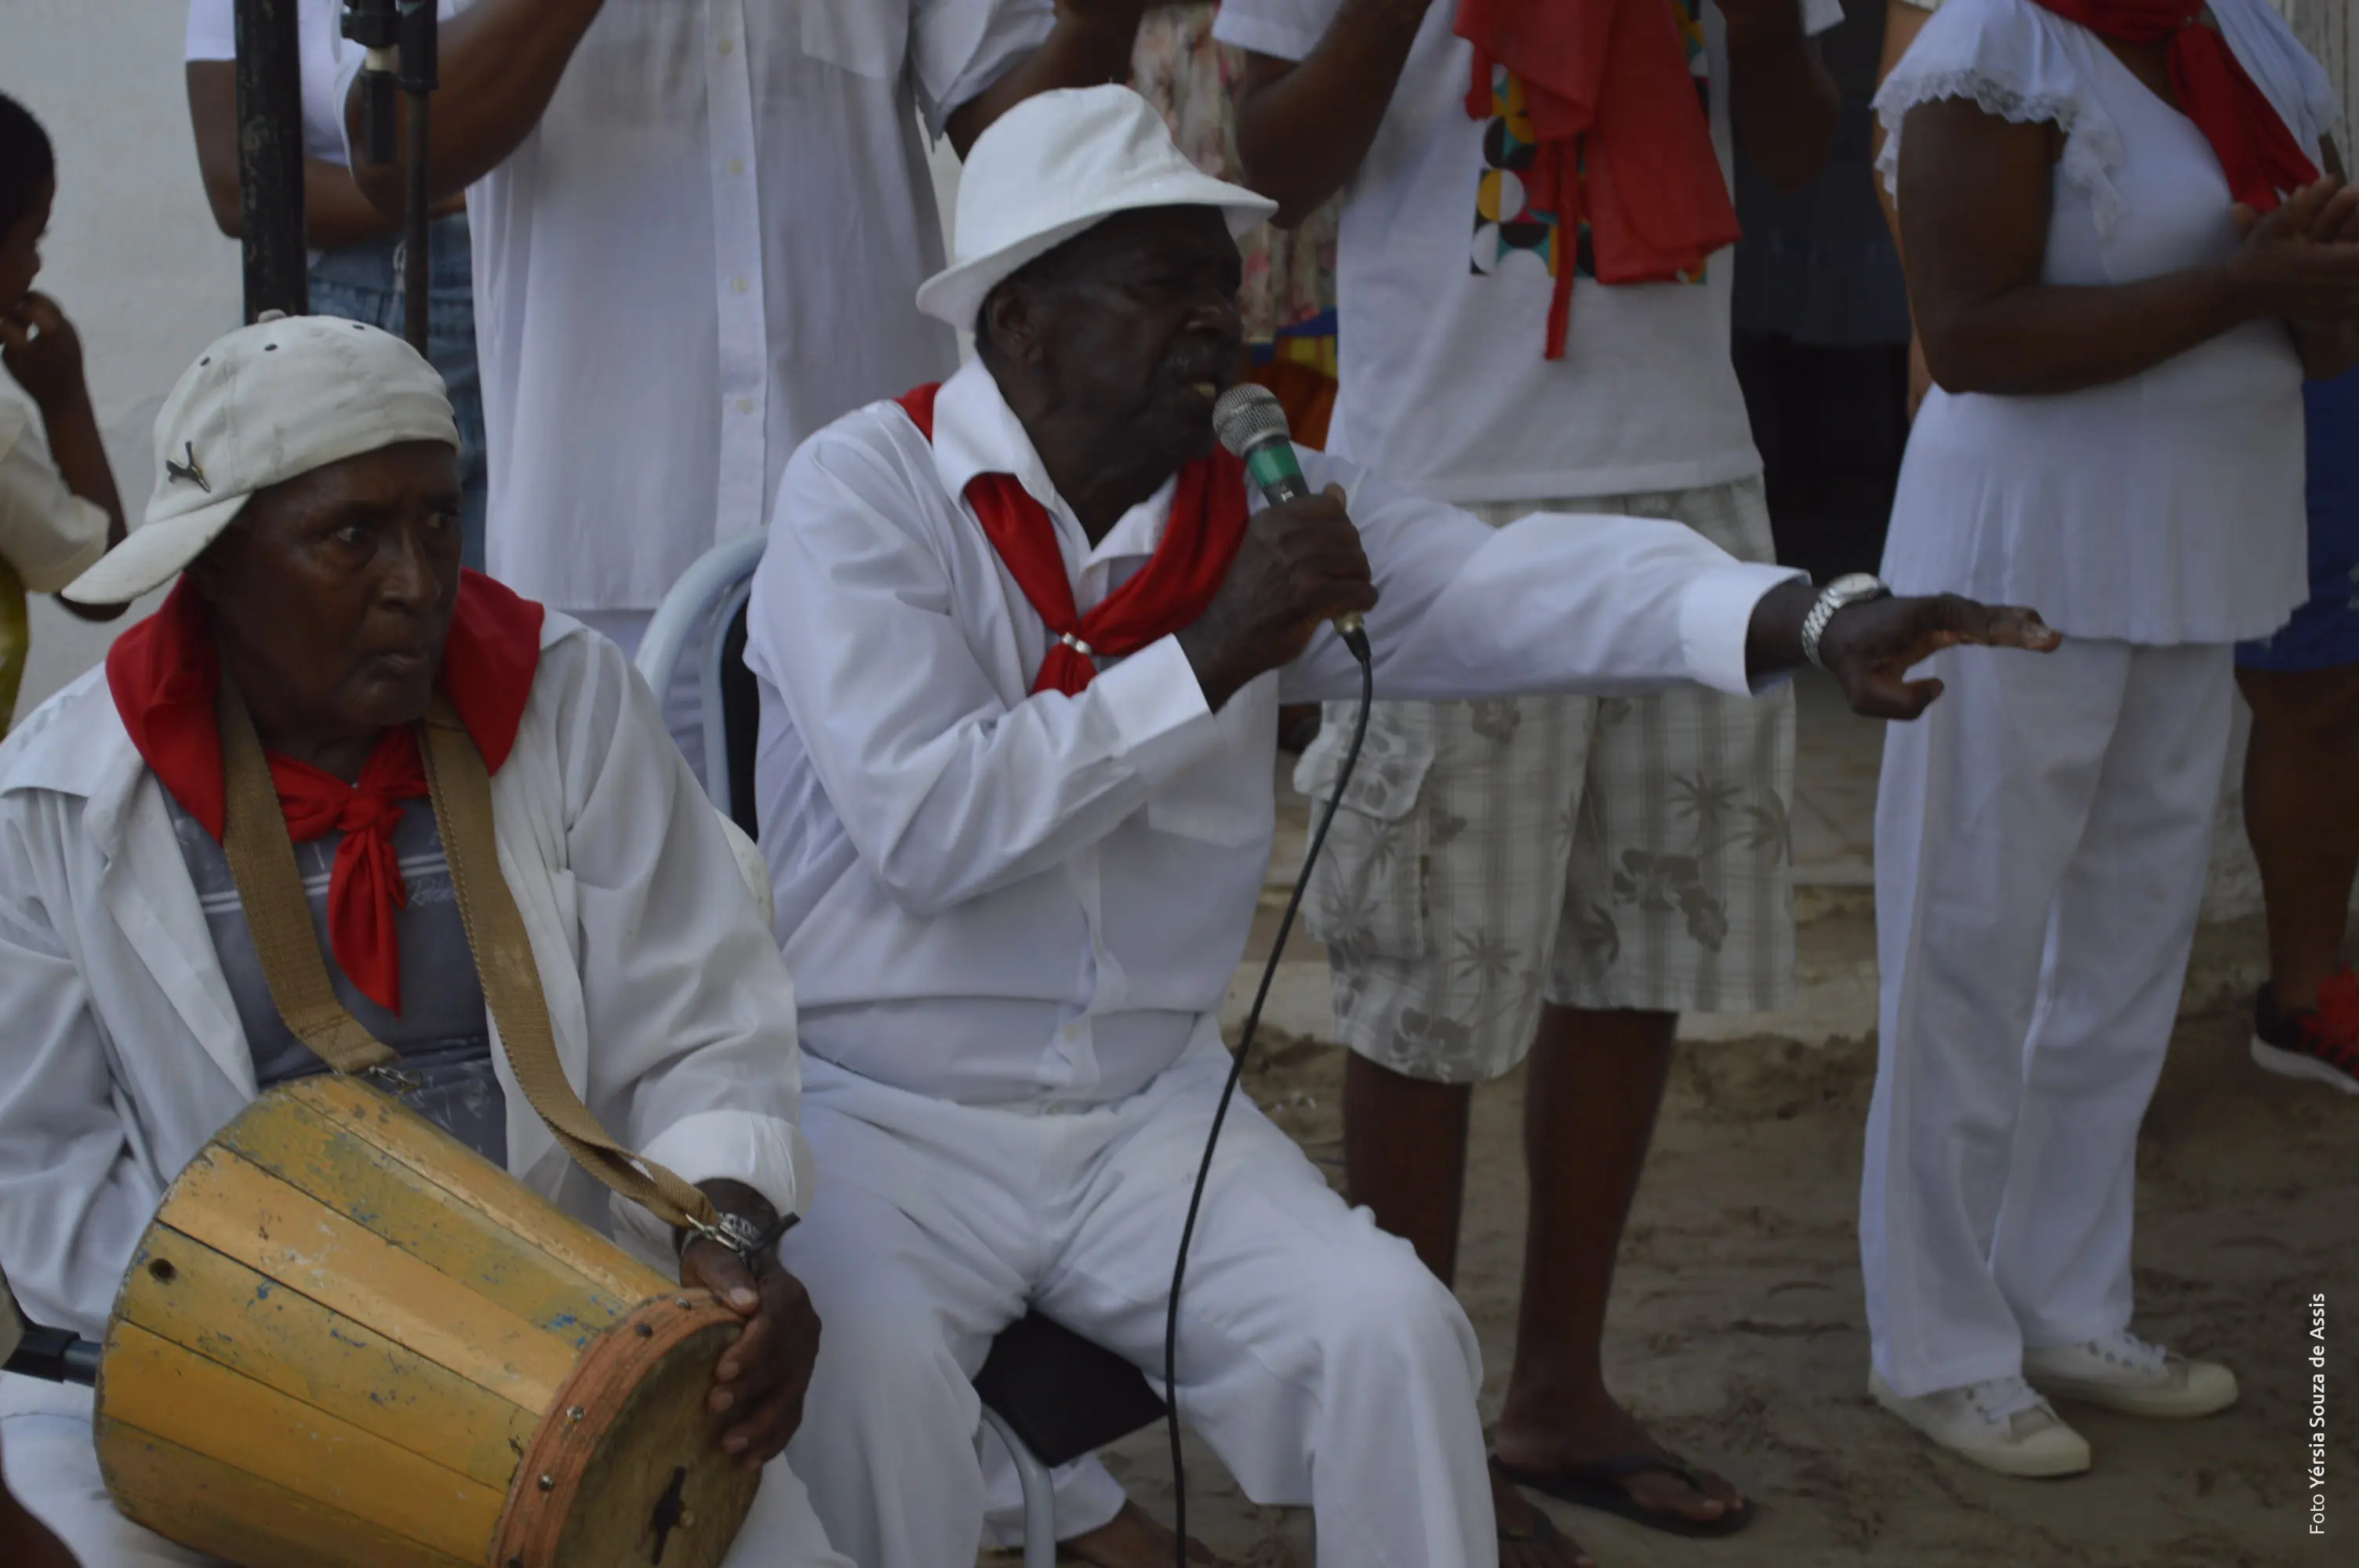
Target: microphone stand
403, 40
420, 51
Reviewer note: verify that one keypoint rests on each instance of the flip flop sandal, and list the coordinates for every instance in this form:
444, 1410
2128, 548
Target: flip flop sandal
1598, 1484
1544, 1532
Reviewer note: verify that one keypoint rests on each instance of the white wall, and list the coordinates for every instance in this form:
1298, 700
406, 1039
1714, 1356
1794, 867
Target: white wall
132, 254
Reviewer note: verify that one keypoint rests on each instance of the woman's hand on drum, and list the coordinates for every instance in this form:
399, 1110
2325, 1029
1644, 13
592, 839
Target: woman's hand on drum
764, 1376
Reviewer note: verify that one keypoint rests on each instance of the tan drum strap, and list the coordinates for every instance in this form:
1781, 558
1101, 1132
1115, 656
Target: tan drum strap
461, 790
262, 860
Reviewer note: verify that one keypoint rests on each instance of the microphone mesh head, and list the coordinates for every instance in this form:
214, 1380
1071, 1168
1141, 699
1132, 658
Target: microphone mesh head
1248, 415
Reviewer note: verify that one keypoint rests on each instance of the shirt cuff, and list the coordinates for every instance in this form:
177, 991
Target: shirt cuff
1715, 617
1160, 711
763, 1151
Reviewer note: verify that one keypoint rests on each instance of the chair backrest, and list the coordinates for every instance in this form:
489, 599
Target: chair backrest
706, 609
741, 724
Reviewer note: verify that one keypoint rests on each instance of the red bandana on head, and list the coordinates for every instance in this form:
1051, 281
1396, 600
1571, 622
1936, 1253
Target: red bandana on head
1208, 524
2261, 159
165, 671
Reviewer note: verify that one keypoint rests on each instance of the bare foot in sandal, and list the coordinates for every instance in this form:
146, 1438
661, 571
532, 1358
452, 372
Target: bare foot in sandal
1608, 1462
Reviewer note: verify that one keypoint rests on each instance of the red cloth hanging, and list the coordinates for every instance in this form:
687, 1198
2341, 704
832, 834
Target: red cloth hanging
1614, 109
2263, 161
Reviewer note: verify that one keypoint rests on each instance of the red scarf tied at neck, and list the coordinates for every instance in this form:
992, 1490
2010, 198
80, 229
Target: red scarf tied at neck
165, 671
1208, 524
2261, 159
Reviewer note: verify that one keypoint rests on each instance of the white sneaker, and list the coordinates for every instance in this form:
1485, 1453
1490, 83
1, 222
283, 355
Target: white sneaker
2123, 1372
2002, 1425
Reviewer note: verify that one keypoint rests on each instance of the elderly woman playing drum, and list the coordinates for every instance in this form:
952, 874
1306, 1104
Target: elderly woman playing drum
319, 631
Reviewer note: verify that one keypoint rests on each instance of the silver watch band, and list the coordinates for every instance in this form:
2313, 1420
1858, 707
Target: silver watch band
1853, 587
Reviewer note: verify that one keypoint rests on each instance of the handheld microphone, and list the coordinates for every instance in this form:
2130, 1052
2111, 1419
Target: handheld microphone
1251, 423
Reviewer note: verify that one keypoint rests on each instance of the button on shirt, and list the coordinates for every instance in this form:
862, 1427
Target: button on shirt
993, 897
707, 249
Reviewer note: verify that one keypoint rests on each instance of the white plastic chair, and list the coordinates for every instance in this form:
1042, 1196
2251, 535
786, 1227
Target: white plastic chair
697, 612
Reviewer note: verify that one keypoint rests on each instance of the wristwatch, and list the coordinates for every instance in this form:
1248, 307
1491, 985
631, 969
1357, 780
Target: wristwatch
1851, 588
746, 1238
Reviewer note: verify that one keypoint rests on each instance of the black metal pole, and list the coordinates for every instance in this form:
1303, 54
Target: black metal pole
419, 77
270, 157
418, 231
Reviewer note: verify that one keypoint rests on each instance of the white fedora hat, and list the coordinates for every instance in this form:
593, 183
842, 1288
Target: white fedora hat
1055, 164
262, 404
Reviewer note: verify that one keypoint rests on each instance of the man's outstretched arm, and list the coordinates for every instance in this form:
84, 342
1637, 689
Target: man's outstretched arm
1599, 604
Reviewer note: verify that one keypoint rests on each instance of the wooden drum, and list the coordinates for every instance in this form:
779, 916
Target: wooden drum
348, 1340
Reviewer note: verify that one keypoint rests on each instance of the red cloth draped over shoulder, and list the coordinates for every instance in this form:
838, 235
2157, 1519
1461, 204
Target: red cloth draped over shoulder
2263, 161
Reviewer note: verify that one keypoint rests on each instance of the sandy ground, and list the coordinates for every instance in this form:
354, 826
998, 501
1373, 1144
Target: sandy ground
1738, 1329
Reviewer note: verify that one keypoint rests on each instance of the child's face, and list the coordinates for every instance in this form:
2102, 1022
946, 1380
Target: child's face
20, 252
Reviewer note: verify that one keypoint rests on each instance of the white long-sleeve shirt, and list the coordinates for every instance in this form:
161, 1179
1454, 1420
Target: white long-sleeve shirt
120, 1055
991, 896
705, 249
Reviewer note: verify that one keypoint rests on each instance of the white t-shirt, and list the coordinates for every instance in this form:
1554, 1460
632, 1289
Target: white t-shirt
2166, 507
212, 35
1443, 310
48, 535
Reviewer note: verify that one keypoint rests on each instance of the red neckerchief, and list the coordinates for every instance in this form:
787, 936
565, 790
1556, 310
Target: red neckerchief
1207, 525
164, 672
1624, 143
2263, 161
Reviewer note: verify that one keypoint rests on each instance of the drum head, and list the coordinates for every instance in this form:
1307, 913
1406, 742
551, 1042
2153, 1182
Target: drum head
628, 1468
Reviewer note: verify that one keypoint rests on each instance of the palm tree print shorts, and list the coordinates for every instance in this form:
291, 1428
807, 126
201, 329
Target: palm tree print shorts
1596, 853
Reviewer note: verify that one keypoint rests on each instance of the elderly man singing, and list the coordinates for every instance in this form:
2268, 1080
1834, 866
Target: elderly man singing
1021, 641
308, 506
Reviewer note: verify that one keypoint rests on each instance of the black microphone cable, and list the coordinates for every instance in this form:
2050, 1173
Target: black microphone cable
1357, 640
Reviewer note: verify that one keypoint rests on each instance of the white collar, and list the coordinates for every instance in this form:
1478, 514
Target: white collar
975, 432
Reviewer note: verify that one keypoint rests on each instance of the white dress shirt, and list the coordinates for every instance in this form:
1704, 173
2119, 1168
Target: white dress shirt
990, 896
707, 249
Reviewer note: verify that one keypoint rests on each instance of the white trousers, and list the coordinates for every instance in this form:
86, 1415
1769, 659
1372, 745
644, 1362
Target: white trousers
2042, 836
684, 705
52, 1467
1318, 1357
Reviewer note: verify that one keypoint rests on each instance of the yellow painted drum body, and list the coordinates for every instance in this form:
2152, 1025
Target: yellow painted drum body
348, 1341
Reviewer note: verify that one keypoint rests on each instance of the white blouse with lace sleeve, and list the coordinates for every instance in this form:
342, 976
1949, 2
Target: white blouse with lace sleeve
2022, 62
2166, 507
